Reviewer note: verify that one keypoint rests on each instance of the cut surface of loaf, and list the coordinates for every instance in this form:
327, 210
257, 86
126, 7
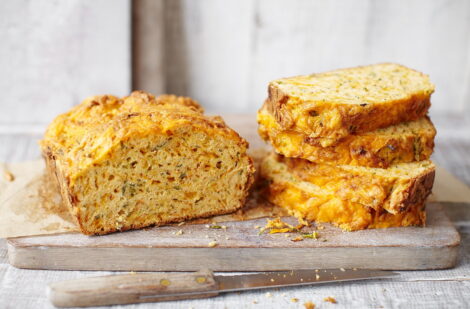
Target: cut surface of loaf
127, 163
401, 143
330, 106
342, 197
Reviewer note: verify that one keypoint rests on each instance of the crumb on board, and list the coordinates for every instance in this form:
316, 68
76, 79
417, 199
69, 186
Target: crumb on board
313, 235
294, 299
181, 223
317, 276
255, 302
216, 227
9, 176
330, 299
269, 295
309, 305
342, 269
298, 238
212, 244
180, 232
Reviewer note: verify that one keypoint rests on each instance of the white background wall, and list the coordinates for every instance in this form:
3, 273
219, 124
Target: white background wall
55, 53
224, 52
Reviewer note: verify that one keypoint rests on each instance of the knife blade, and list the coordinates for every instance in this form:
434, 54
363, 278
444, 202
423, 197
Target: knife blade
154, 287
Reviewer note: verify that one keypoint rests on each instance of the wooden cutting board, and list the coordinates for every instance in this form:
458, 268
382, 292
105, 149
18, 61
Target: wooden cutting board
240, 248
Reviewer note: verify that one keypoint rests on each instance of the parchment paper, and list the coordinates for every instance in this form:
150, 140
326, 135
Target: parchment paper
30, 204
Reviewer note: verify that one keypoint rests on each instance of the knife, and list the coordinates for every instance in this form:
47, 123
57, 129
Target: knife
155, 287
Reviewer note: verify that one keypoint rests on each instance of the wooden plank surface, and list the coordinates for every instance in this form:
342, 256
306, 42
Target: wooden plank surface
241, 248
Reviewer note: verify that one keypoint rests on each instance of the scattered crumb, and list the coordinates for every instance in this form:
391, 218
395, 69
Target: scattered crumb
255, 302
9, 176
309, 305
180, 232
227, 238
320, 227
181, 223
286, 235
316, 270
208, 226
269, 295
342, 269
294, 299
313, 235
132, 273
317, 276
283, 294
257, 227
212, 244
330, 300
298, 238
224, 227
216, 227
301, 279
354, 268
272, 280
277, 226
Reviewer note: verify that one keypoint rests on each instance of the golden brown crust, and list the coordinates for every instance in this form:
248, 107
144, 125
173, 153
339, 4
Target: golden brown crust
331, 120
408, 142
83, 143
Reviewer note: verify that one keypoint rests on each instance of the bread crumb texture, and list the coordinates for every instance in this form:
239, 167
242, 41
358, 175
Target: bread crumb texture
330, 106
349, 198
401, 143
127, 163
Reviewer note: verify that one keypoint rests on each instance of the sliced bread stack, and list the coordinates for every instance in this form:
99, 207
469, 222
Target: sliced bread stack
351, 147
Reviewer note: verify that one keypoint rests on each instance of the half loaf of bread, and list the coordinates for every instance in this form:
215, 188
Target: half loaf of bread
127, 163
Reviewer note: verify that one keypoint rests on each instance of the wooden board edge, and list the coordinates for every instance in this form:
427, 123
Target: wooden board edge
236, 259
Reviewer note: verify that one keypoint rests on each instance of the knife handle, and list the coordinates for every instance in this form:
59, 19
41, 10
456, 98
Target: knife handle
132, 288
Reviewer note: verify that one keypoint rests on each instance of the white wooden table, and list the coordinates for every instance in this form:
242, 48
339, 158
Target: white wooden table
413, 289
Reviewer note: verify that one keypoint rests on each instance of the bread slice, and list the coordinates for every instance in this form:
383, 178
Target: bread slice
405, 142
128, 163
352, 199
330, 106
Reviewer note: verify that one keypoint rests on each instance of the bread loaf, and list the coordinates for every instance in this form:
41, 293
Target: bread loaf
128, 163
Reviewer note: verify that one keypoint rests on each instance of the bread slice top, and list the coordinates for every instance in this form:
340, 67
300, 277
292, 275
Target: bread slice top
371, 84
393, 189
401, 143
85, 134
333, 104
